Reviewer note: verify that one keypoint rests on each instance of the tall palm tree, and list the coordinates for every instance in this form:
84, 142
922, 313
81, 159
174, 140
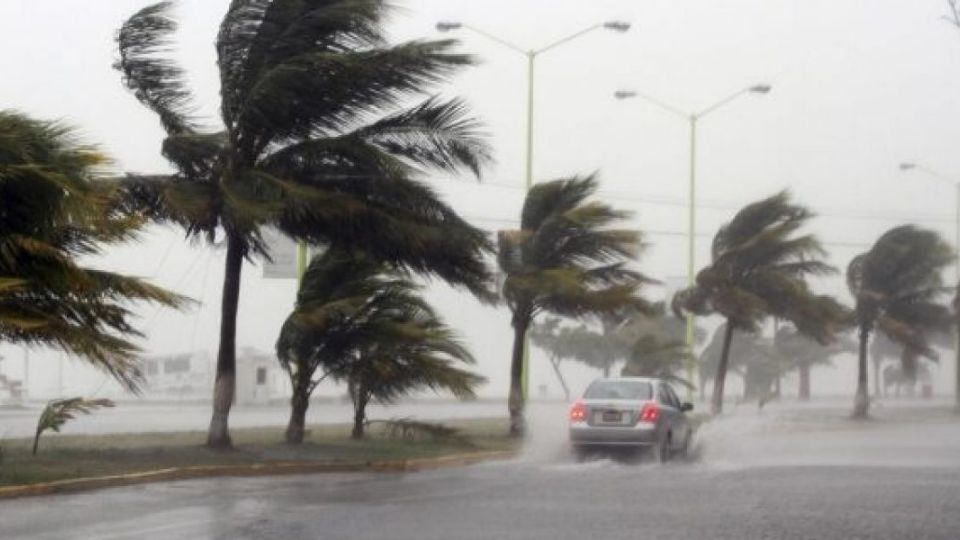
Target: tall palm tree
760, 268
56, 210
318, 140
898, 286
564, 260
358, 321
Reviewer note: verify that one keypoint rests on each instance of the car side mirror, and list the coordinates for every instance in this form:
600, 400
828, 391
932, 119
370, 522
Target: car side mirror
686, 406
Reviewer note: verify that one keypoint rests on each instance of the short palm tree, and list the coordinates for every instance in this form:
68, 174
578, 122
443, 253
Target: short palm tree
652, 356
318, 140
57, 210
358, 321
800, 352
565, 260
760, 268
898, 286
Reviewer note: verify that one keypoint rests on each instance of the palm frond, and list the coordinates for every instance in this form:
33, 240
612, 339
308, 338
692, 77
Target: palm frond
157, 81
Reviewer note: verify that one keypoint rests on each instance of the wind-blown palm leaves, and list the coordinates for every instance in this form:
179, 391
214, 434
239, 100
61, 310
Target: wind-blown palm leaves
59, 411
317, 141
359, 322
55, 211
759, 268
564, 260
897, 287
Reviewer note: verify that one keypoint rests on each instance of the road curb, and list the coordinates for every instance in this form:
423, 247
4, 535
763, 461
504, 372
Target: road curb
252, 469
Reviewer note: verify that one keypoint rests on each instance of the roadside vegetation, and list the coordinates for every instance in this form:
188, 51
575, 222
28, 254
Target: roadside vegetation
84, 456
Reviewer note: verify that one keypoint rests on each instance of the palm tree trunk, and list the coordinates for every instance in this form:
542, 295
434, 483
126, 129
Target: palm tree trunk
299, 402
803, 393
877, 361
861, 402
515, 402
556, 369
718, 381
360, 412
225, 386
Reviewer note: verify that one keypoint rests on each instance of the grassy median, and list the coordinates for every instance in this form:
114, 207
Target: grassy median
63, 457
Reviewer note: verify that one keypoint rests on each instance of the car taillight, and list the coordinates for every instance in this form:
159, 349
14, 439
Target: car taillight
578, 413
650, 413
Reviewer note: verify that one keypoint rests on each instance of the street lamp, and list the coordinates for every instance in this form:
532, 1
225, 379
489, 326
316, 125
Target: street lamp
531, 55
908, 166
692, 118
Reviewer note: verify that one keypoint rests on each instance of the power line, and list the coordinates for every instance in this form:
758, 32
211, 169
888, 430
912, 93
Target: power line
730, 206
660, 232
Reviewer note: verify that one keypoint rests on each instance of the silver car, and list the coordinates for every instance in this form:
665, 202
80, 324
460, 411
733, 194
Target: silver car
631, 412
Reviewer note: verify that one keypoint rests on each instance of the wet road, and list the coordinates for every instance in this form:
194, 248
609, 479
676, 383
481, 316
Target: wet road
788, 475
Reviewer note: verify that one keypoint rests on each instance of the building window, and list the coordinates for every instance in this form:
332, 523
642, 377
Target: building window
261, 376
177, 365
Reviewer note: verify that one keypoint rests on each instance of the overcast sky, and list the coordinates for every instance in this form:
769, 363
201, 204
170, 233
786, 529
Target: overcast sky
858, 86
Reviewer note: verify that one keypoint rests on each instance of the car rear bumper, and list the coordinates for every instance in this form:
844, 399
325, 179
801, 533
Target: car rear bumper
582, 434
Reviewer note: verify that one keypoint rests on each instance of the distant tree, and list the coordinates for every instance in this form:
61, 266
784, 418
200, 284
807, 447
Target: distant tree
760, 266
564, 260
318, 141
897, 286
552, 339
57, 211
652, 356
360, 322
750, 357
798, 351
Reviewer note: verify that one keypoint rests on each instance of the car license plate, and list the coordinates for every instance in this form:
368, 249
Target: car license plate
611, 417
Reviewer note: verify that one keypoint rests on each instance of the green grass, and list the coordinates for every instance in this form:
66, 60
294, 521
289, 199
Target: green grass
64, 457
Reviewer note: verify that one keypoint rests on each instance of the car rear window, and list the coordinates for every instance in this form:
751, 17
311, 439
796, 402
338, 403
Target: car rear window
637, 390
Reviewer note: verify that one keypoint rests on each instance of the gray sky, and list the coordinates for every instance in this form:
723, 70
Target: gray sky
858, 86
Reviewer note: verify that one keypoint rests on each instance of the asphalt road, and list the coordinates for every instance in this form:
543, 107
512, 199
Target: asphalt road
793, 474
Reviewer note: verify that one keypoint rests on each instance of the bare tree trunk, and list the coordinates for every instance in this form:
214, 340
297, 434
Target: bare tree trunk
877, 364
556, 369
803, 393
720, 379
299, 402
606, 369
515, 403
360, 412
225, 385
861, 403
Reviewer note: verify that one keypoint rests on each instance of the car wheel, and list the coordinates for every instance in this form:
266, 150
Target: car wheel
579, 453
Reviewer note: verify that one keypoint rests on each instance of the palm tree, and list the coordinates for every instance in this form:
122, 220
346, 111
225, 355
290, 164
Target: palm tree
897, 286
318, 141
651, 356
56, 210
564, 260
358, 321
760, 268
800, 352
